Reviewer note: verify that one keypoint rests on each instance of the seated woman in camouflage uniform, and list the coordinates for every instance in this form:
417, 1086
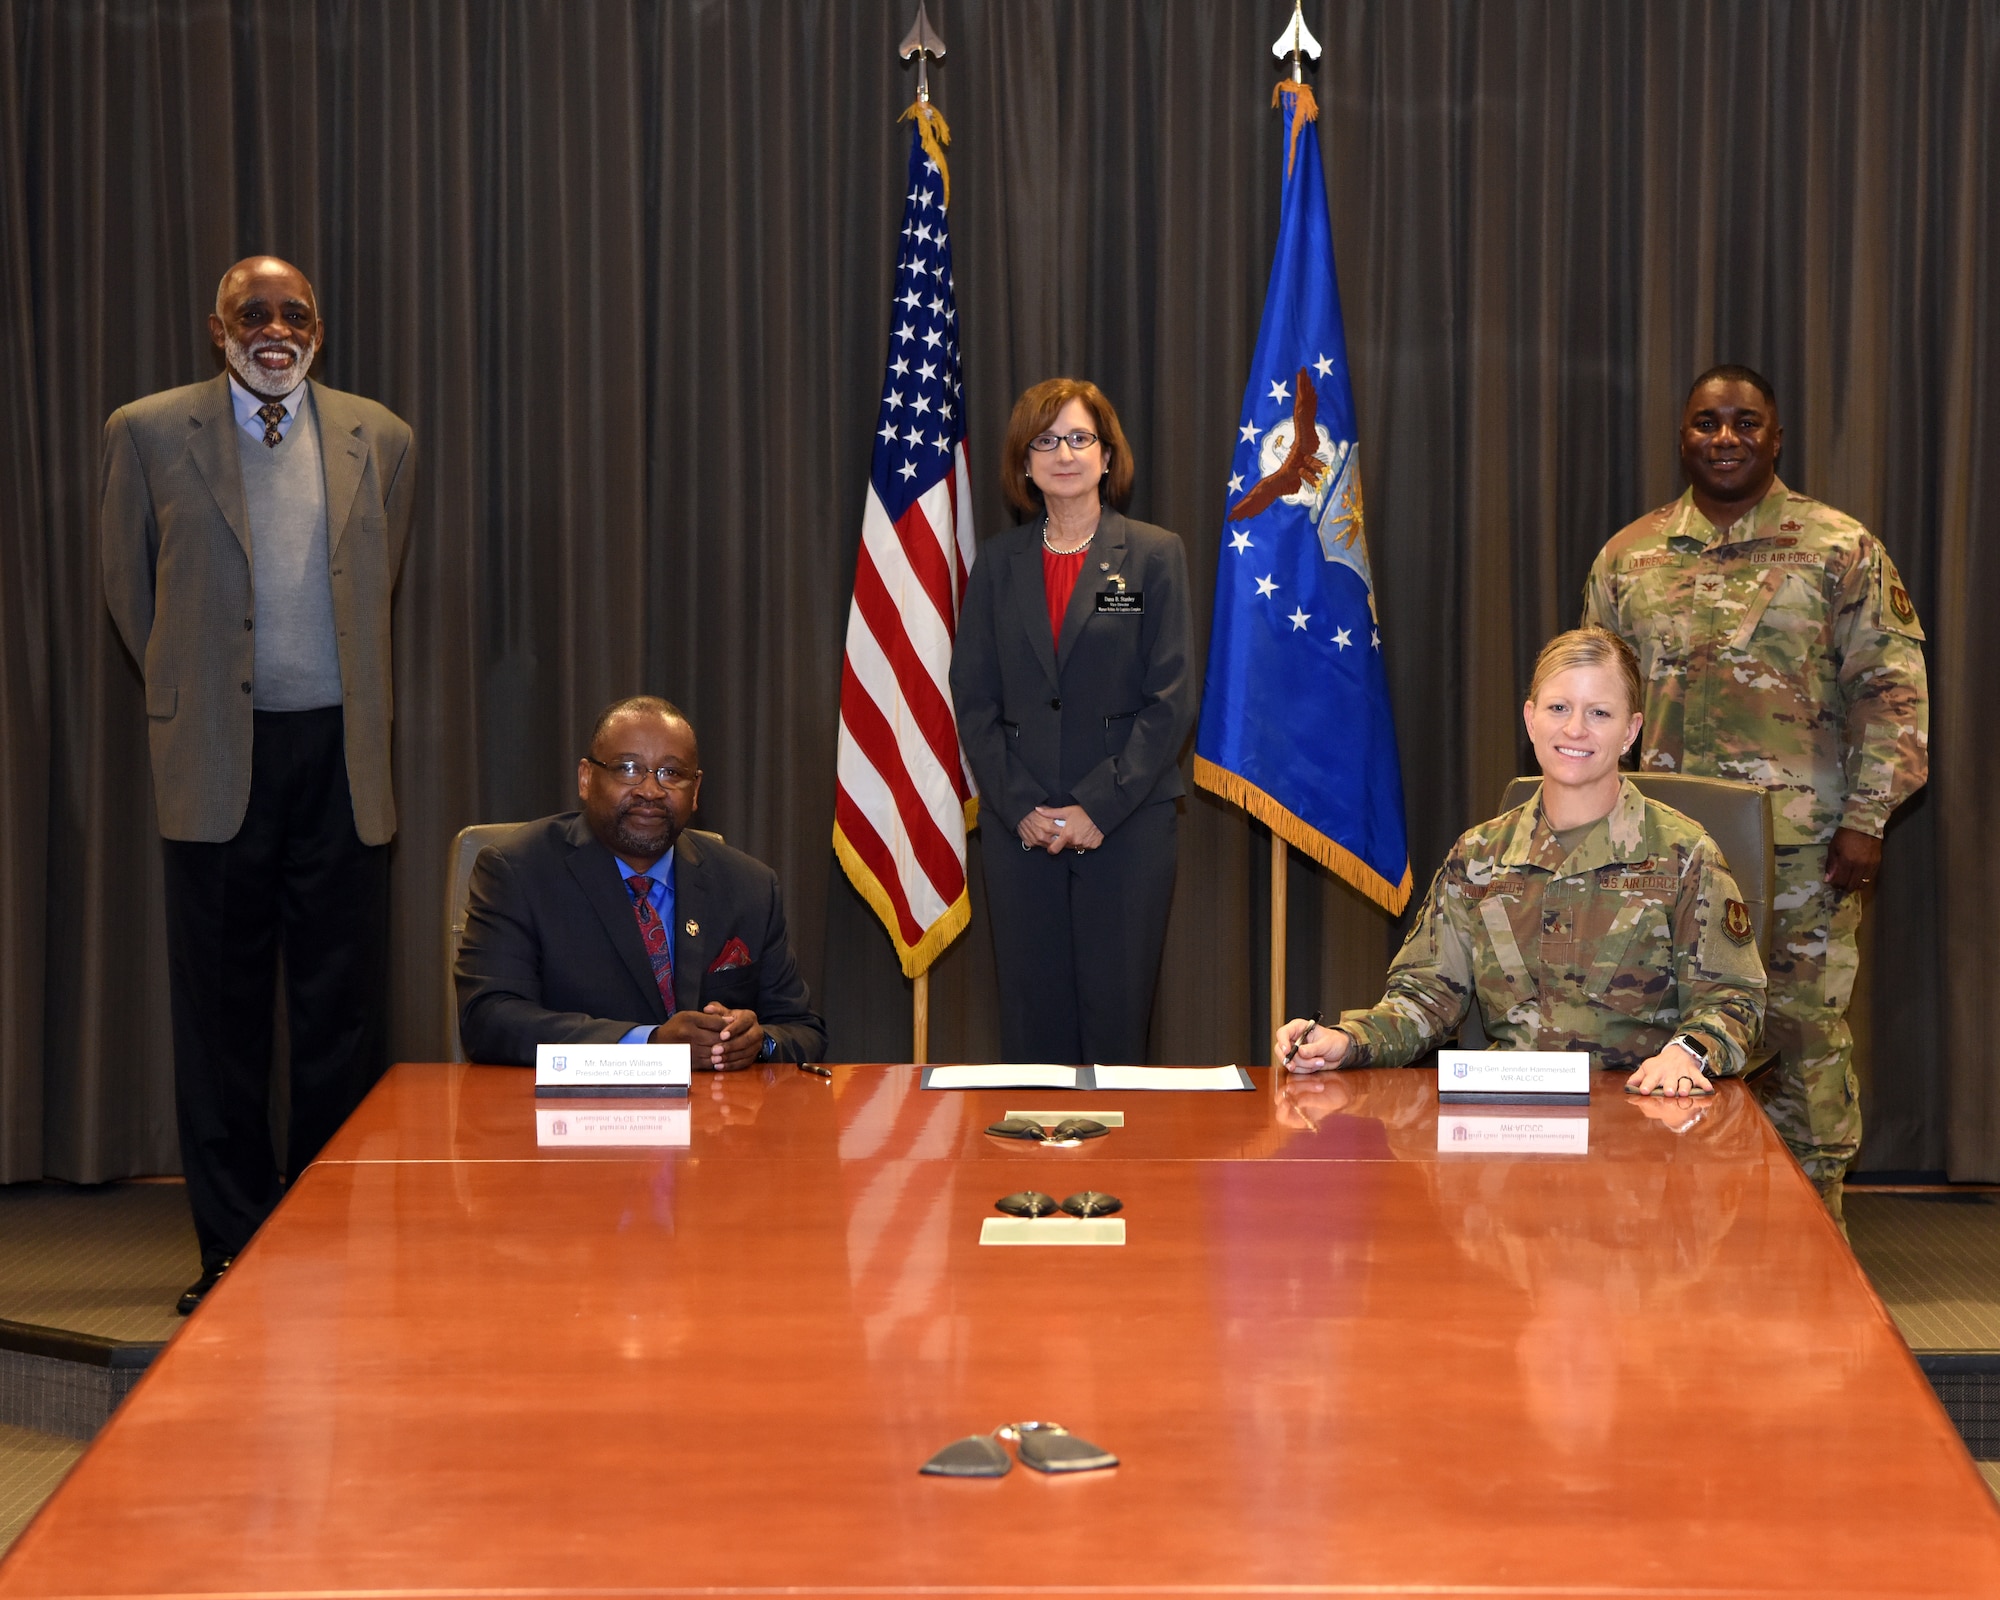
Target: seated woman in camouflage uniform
1590, 918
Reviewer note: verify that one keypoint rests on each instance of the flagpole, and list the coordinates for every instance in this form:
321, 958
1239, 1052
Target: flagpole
923, 42
1281, 855
1295, 725
1295, 39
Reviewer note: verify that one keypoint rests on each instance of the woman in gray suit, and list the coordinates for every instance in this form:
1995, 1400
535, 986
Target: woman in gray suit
1070, 679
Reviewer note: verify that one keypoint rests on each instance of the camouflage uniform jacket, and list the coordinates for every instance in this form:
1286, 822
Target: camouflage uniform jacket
1637, 933
1783, 651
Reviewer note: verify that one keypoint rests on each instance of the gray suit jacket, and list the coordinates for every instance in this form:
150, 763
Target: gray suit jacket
552, 954
175, 537
1098, 718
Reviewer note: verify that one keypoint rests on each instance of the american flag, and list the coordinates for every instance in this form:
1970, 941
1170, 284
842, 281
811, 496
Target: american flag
904, 800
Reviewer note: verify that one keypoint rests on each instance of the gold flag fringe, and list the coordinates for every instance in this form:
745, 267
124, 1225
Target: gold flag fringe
1301, 835
1304, 109
916, 958
934, 134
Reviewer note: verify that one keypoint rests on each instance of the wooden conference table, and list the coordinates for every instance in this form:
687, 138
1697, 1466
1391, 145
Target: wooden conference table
1339, 1353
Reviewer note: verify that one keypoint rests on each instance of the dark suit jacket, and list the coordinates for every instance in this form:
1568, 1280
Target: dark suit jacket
552, 955
1097, 720
175, 536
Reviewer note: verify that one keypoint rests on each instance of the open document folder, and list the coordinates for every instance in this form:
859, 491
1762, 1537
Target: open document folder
1028, 1075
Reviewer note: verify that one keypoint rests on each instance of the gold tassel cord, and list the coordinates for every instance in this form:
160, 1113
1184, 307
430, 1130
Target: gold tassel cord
1304, 109
934, 134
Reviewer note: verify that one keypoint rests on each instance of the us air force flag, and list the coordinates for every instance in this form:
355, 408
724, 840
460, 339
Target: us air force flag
1295, 723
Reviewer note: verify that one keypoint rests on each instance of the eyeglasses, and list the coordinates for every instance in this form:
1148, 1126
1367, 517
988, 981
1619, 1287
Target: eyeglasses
1045, 1446
1033, 1203
1078, 441
1071, 1130
634, 772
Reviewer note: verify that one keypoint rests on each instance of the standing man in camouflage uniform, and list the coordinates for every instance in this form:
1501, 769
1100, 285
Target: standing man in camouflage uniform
1779, 647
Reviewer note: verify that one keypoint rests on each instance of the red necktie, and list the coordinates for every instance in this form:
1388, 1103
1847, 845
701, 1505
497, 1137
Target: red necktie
659, 948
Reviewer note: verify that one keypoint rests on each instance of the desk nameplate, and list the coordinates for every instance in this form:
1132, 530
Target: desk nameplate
612, 1071
1514, 1077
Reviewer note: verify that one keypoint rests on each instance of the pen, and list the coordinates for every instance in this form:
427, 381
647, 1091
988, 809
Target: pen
816, 1071
1311, 1024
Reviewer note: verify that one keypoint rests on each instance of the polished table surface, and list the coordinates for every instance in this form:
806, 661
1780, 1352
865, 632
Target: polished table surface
1332, 1357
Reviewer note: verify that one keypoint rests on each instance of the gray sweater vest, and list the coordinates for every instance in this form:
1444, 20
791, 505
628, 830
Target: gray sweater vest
284, 489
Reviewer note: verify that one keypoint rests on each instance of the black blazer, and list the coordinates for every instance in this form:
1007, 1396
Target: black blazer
1097, 720
551, 952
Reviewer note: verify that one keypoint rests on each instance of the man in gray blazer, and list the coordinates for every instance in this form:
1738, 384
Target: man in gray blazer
252, 528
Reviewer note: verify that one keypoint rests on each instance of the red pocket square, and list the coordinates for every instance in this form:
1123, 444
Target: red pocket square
734, 954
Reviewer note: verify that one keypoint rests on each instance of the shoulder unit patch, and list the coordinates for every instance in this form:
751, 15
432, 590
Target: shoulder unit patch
1736, 921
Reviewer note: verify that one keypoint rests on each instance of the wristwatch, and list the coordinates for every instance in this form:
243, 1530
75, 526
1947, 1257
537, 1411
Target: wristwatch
1696, 1047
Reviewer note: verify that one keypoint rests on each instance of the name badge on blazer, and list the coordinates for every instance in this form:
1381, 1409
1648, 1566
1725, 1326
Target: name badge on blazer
1121, 602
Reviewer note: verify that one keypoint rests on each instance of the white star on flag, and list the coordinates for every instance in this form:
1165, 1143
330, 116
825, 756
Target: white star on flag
1249, 431
1266, 586
1323, 366
1342, 638
1240, 542
1280, 390
1298, 619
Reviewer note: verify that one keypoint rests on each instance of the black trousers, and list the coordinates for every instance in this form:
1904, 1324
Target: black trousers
1077, 939
296, 877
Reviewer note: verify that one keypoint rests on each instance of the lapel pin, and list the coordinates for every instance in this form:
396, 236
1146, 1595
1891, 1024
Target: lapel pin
1103, 566
692, 928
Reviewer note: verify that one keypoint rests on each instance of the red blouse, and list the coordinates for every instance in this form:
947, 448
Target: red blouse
1059, 574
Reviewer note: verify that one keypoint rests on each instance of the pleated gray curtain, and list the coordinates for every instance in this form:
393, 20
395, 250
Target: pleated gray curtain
625, 265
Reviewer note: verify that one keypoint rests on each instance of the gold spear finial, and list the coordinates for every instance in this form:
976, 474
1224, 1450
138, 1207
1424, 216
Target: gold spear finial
1296, 41
923, 42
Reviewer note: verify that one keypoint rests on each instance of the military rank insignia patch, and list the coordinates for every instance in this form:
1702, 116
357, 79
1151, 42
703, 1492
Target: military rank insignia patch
1736, 921
1899, 602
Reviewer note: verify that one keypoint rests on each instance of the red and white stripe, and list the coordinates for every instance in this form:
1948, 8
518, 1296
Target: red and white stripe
904, 797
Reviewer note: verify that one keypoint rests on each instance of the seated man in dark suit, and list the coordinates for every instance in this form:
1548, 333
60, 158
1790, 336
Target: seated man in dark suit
613, 924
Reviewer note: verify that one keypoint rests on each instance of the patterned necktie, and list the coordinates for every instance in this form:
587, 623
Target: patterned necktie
273, 414
659, 948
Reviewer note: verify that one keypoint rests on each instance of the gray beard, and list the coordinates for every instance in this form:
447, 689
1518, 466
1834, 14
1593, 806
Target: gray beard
255, 378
